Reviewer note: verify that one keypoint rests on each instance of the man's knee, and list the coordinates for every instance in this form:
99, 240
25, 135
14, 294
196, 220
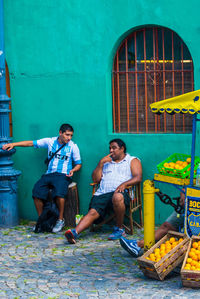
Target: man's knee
93, 213
118, 198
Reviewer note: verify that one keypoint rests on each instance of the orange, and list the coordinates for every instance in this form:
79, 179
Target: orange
197, 265
195, 245
189, 260
167, 250
180, 240
171, 165
191, 254
193, 249
195, 258
193, 263
152, 257
198, 243
197, 252
184, 164
162, 246
188, 266
172, 240
157, 250
188, 160
193, 268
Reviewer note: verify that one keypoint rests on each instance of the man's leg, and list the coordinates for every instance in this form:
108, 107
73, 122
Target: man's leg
134, 247
39, 193
60, 184
119, 208
38, 205
61, 204
60, 223
86, 222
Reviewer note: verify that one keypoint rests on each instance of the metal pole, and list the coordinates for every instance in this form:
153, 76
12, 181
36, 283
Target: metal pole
149, 213
193, 148
8, 175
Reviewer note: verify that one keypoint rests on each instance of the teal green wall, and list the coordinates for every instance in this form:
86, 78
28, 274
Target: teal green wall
60, 56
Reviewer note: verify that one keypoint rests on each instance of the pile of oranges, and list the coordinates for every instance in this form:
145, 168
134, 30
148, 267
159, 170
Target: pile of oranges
164, 248
193, 260
178, 165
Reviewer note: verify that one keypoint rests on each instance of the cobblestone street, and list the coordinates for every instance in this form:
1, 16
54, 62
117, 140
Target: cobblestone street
46, 266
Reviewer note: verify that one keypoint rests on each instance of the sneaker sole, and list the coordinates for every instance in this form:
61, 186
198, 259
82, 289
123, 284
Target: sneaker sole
126, 247
70, 237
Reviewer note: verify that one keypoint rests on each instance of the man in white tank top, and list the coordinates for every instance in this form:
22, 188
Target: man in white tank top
114, 173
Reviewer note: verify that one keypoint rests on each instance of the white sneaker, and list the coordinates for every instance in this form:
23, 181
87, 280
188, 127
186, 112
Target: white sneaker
58, 226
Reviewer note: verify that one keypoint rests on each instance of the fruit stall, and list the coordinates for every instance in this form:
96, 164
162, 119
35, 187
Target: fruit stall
181, 171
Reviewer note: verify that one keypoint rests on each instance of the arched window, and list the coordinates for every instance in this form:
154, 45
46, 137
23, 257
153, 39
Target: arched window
151, 64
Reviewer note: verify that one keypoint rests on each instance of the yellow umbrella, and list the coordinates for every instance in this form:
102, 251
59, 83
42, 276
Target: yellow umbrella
185, 103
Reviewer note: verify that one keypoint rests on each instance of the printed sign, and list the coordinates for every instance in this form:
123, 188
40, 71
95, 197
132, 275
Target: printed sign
192, 212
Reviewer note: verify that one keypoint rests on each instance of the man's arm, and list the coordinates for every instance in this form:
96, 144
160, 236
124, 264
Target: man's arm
76, 168
97, 173
9, 146
136, 170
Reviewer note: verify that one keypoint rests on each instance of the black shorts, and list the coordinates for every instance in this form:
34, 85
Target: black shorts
103, 203
58, 182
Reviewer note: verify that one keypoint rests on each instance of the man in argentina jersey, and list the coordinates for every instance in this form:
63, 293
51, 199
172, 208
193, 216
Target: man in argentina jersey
61, 168
114, 173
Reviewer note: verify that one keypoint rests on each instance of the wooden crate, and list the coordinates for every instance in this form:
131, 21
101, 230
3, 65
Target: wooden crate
190, 278
159, 270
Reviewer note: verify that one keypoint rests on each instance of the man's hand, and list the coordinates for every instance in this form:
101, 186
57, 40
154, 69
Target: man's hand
121, 188
97, 173
105, 159
8, 146
70, 173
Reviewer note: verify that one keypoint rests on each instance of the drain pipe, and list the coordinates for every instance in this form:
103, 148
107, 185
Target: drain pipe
8, 175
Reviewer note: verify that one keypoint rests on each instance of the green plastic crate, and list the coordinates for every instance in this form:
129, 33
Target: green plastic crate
178, 173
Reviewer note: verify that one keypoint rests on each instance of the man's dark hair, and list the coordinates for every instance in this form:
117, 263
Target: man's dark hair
66, 127
120, 143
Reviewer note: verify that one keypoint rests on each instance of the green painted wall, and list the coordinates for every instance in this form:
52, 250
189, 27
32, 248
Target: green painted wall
60, 56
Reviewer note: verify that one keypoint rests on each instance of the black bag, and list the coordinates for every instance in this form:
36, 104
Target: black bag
47, 220
47, 160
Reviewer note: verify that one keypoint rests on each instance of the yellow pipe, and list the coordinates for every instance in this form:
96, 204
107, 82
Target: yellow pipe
149, 213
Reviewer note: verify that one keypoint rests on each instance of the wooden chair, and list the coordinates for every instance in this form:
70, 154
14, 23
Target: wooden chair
135, 205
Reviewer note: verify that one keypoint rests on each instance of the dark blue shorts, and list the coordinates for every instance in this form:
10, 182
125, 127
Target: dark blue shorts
58, 182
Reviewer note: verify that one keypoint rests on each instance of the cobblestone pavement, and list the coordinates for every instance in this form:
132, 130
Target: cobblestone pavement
46, 266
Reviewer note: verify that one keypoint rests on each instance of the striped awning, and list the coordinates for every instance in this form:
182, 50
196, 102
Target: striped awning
185, 103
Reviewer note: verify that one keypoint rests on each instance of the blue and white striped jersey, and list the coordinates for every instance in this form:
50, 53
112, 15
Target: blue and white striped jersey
62, 161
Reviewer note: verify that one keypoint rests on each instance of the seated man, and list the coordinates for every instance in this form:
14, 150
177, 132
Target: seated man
174, 222
114, 173
62, 151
